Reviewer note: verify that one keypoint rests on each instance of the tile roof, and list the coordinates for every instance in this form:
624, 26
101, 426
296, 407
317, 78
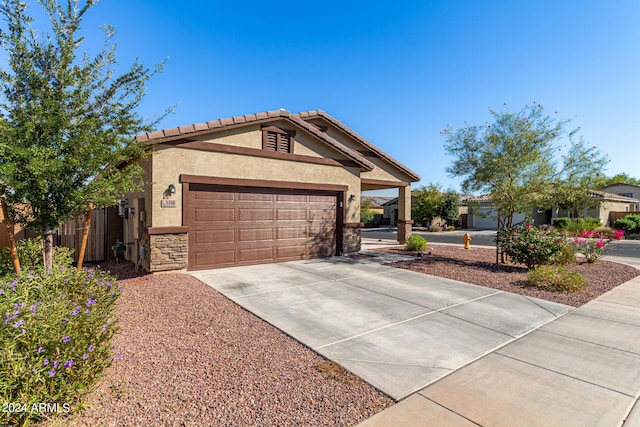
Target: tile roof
180, 132
307, 115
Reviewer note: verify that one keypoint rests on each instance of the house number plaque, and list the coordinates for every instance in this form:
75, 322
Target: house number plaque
168, 203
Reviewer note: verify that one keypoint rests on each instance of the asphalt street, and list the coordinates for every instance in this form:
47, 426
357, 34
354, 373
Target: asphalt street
627, 249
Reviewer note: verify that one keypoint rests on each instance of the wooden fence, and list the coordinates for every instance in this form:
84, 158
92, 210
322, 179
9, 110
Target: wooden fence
70, 236
614, 216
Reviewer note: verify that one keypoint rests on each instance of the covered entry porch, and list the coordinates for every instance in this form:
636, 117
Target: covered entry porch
404, 221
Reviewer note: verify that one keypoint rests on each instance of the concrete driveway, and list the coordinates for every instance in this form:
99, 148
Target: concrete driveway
396, 329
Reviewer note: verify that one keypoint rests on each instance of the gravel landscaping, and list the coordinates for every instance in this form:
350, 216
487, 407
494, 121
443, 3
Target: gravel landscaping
188, 356
478, 266
191, 357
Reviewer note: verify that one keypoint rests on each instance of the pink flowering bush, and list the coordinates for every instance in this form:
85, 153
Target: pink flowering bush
529, 245
55, 333
593, 244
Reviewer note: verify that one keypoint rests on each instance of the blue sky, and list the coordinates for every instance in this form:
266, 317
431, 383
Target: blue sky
395, 72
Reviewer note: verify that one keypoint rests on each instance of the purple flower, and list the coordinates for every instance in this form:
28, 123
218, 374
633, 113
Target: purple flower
118, 356
33, 308
1, 291
104, 327
55, 364
87, 311
18, 323
85, 356
52, 372
40, 350
45, 362
68, 364
66, 339
65, 320
24, 331
19, 304
16, 314
91, 347
90, 302
14, 283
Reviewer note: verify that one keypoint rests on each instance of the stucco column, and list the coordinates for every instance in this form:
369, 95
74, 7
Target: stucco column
404, 213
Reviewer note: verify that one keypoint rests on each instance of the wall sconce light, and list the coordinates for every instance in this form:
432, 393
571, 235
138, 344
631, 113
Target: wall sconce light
171, 189
352, 198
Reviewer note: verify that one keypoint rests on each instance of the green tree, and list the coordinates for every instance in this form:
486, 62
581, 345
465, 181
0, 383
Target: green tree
450, 209
367, 215
519, 161
67, 120
623, 177
427, 203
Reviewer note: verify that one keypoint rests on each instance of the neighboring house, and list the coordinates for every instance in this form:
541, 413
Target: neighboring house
483, 214
390, 212
376, 203
624, 189
258, 188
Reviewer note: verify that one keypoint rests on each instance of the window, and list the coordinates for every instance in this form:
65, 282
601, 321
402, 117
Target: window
276, 139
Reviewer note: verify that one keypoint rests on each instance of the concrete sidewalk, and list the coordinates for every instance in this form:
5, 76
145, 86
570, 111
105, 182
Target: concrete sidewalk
582, 369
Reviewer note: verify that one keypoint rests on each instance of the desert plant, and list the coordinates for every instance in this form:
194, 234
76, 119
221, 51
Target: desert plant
451, 228
54, 338
415, 243
566, 255
528, 245
435, 228
30, 256
556, 278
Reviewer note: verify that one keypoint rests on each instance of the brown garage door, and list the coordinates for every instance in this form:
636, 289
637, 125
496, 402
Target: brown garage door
240, 226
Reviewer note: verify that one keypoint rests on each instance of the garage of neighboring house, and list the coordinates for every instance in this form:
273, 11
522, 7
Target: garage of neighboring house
258, 188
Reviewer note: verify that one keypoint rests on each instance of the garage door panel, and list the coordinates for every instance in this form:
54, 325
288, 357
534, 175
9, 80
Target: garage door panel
254, 215
213, 236
206, 215
216, 258
241, 226
291, 214
257, 234
203, 196
289, 252
255, 254
291, 233
255, 197
292, 198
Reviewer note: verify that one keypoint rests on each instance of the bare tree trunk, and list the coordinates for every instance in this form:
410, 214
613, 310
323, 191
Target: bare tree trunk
47, 247
85, 236
12, 240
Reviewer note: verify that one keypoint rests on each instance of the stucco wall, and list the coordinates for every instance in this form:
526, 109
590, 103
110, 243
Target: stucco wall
169, 162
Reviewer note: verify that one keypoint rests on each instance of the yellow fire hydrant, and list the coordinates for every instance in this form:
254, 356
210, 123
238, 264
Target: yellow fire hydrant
467, 239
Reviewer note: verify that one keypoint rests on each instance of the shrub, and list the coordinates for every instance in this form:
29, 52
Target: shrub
593, 245
627, 224
566, 256
30, 256
528, 245
451, 228
562, 223
556, 278
55, 334
415, 243
436, 229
